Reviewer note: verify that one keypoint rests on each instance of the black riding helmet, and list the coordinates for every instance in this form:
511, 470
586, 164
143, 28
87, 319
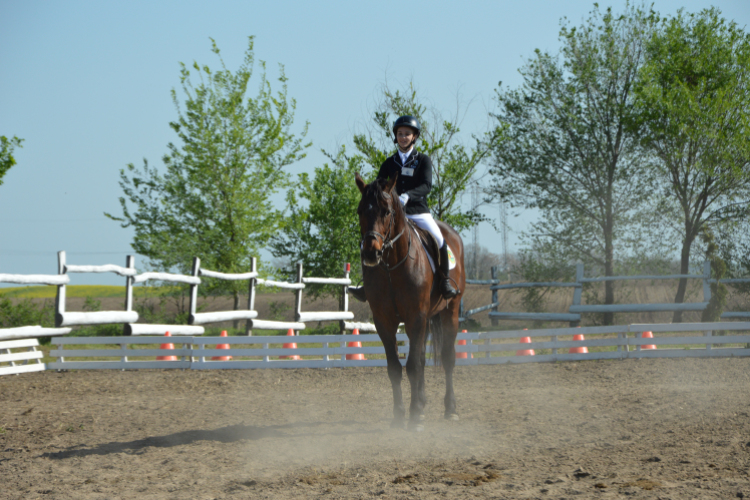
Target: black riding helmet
407, 121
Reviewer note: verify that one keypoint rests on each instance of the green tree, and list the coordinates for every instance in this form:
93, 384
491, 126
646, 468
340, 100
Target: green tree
455, 165
692, 112
567, 150
214, 198
6, 154
322, 227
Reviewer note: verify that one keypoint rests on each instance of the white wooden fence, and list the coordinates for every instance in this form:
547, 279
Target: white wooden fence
328, 351
133, 350
573, 316
20, 356
128, 317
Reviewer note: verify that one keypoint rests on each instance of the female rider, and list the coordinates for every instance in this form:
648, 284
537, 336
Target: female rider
414, 171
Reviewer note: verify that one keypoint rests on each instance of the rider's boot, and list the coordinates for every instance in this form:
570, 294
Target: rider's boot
446, 288
358, 292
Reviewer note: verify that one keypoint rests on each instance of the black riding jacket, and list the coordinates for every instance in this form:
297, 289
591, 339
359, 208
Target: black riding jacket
414, 179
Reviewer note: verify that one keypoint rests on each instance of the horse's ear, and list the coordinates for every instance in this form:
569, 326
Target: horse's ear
391, 184
360, 183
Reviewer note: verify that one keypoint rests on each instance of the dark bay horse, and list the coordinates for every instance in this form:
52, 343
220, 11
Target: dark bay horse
401, 287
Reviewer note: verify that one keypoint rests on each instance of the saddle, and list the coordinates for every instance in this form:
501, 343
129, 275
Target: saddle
430, 245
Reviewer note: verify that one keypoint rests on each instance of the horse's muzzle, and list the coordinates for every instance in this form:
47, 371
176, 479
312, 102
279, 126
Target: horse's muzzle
371, 258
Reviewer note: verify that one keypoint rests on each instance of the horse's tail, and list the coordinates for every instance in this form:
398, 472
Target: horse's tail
436, 330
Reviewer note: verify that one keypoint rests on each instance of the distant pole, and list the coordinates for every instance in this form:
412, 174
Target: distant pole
475, 232
504, 230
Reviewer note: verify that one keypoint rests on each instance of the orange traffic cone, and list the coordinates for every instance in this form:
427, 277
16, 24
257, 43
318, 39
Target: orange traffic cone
463, 355
525, 352
290, 345
166, 346
222, 346
647, 335
578, 350
358, 356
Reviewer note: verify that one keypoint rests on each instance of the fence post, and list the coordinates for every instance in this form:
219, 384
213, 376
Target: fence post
60, 297
130, 264
493, 271
251, 295
298, 294
344, 303
194, 291
577, 293
707, 292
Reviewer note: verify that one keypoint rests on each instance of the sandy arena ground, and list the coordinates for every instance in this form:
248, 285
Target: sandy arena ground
667, 429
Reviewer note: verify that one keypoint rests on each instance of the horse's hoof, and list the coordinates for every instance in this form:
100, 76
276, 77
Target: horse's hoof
451, 416
421, 418
416, 427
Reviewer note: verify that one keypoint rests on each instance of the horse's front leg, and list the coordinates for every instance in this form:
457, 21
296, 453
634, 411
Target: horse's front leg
448, 358
415, 371
395, 372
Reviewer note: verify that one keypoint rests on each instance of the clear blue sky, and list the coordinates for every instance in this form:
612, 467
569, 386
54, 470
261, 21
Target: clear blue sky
87, 85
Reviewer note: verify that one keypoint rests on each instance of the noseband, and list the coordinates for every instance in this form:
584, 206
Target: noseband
386, 243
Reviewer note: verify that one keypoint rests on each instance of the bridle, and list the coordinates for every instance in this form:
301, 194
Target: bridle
386, 243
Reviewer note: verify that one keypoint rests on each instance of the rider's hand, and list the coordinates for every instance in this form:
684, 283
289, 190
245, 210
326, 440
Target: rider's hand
404, 198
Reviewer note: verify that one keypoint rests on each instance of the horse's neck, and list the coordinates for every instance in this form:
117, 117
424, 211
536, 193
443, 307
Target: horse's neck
401, 247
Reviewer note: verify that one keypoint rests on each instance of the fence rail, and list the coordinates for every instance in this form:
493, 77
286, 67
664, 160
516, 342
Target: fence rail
576, 308
65, 320
328, 351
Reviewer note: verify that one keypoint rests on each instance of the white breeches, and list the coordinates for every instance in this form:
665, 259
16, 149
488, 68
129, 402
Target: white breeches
425, 221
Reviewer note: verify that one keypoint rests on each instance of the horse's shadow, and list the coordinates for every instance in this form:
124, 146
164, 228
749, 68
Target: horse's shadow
228, 434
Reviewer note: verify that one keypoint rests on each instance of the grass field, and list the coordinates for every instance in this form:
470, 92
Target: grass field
78, 291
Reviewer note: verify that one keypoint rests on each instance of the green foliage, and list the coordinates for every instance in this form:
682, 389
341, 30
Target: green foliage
692, 113
278, 310
155, 307
542, 264
455, 165
567, 150
6, 154
322, 228
214, 199
25, 312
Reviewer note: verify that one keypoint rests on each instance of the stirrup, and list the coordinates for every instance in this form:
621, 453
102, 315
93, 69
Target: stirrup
358, 292
447, 290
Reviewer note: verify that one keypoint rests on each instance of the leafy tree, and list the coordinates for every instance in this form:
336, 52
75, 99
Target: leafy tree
692, 112
322, 228
567, 150
454, 164
214, 198
6, 154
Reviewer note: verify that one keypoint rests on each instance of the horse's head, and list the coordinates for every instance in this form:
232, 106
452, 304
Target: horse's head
377, 217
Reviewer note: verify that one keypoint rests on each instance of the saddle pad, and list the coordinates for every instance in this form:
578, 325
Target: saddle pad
451, 257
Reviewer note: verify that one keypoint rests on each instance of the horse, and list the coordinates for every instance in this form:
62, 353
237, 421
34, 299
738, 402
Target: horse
400, 287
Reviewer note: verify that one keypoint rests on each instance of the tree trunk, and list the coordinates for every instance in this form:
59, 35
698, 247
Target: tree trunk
684, 269
609, 257
236, 294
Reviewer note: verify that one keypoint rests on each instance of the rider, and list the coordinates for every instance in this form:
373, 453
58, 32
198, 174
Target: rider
414, 171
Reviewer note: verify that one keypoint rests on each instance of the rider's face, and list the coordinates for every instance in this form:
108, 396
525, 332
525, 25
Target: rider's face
404, 136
